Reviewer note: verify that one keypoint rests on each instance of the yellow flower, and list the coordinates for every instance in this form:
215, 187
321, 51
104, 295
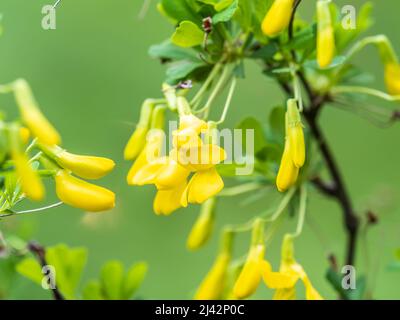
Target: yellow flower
151, 152
169, 200
392, 78
325, 35
288, 172
203, 226
32, 116
83, 195
202, 186
293, 156
250, 277
31, 184
87, 167
137, 141
294, 271
296, 134
278, 17
212, 286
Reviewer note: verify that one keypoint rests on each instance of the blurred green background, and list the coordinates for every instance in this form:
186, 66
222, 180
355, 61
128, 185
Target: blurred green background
90, 76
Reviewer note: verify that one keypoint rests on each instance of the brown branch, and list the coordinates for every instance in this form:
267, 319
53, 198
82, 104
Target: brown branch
40, 253
338, 191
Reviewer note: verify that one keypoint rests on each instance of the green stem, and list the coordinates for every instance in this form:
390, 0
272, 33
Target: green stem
365, 90
228, 101
199, 95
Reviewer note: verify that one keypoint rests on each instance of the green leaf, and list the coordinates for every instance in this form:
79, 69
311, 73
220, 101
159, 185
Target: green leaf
187, 35
344, 37
93, 291
69, 264
30, 269
259, 137
111, 279
277, 124
133, 279
180, 70
227, 13
169, 51
180, 10
266, 52
337, 61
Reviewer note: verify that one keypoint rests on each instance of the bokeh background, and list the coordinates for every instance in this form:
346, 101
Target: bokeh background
90, 76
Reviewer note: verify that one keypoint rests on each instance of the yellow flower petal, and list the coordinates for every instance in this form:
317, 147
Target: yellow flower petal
83, 195
187, 137
171, 175
213, 284
277, 280
325, 35
278, 17
204, 185
192, 122
297, 144
250, 277
288, 172
31, 184
392, 78
203, 226
87, 167
201, 157
167, 201
37, 123
285, 294
149, 172
136, 143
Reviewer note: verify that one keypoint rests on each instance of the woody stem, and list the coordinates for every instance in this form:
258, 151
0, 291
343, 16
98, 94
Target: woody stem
338, 189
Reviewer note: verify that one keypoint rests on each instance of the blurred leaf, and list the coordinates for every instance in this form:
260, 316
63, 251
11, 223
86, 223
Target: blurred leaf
111, 279
187, 35
181, 10
69, 264
93, 291
266, 52
169, 51
180, 70
133, 279
277, 123
337, 61
227, 13
30, 269
251, 123
344, 37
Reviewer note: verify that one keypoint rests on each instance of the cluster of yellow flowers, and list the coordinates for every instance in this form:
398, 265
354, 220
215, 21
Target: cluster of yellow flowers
255, 269
62, 164
187, 174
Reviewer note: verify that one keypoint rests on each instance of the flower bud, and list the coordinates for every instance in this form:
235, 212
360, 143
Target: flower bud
277, 18
138, 139
87, 167
32, 116
30, 181
325, 34
250, 277
83, 195
202, 228
213, 285
392, 78
295, 133
288, 172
